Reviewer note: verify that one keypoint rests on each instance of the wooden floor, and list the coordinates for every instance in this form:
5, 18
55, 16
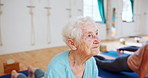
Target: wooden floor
37, 58
41, 58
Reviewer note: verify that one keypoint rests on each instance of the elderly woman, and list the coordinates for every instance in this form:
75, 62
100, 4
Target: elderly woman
81, 35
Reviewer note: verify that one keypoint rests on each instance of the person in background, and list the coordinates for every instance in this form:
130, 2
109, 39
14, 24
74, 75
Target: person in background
132, 49
121, 50
81, 35
138, 62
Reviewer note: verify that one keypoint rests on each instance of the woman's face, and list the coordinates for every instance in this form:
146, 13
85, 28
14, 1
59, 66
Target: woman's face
89, 42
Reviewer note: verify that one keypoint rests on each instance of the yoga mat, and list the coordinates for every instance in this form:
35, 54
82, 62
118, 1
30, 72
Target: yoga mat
105, 74
113, 54
9, 75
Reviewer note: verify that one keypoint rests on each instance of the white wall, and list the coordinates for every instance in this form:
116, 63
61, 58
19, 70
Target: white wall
145, 16
16, 25
130, 29
102, 31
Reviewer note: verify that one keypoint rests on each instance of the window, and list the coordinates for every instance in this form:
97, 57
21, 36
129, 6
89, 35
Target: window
127, 12
90, 8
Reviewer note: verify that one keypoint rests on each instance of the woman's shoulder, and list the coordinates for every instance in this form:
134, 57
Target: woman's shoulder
61, 56
59, 63
59, 59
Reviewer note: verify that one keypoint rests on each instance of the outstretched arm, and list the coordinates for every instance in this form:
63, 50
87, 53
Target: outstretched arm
143, 70
128, 48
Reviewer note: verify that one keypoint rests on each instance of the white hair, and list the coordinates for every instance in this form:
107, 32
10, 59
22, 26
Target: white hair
73, 30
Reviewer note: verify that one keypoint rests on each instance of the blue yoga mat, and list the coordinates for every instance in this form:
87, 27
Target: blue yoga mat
9, 75
113, 54
105, 74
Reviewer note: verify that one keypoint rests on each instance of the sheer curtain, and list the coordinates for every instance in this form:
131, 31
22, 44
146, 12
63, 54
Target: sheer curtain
94, 9
128, 10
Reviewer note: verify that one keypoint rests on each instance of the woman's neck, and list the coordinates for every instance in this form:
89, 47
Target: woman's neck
77, 58
77, 63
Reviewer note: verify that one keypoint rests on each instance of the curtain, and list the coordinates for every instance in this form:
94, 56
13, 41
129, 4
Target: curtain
101, 10
132, 6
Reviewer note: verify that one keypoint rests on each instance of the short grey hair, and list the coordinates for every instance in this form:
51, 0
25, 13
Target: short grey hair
73, 30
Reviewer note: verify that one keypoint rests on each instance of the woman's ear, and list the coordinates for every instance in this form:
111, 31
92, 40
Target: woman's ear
71, 44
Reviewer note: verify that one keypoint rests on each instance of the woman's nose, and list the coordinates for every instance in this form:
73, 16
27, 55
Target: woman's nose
96, 40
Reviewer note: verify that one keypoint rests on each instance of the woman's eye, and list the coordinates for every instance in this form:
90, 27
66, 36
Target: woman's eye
89, 35
97, 33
